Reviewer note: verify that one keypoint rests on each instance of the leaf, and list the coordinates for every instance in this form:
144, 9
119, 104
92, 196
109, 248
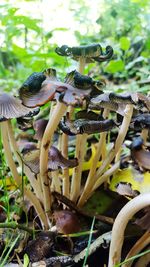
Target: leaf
115, 66
28, 22
25, 260
124, 43
98, 203
127, 176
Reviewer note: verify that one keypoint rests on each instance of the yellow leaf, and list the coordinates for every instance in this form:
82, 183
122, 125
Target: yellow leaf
127, 176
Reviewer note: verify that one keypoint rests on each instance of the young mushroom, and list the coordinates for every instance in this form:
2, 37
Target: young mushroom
121, 221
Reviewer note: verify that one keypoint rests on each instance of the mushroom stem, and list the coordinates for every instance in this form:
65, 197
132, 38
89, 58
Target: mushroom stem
57, 114
34, 183
120, 138
139, 246
82, 61
106, 175
77, 171
90, 181
8, 154
56, 181
66, 180
144, 135
120, 224
79, 152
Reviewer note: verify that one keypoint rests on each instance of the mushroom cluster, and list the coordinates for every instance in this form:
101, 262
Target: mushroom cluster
79, 109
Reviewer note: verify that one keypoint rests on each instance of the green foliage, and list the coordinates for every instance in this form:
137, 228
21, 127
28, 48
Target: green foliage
27, 46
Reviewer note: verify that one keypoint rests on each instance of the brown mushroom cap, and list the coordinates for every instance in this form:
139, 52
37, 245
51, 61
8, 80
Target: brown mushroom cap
42, 87
39, 127
39, 88
55, 160
11, 107
112, 101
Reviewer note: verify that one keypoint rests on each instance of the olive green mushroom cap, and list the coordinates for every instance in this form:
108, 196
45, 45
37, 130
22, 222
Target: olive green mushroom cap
12, 107
91, 52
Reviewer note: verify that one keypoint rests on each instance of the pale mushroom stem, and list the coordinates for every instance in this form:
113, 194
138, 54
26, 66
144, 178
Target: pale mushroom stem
138, 246
80, 152
144, 135
34, 183
56, 181
65, 176
121, 221
54, 120
106, 175
82, 61
90, 181
77, 171
120, 138
8, 154
119, 141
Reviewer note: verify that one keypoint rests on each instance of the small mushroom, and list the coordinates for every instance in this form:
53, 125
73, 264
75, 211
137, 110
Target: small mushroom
67, 222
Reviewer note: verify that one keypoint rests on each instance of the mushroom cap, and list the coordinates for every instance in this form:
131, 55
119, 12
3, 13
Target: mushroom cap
12, 107
91, 52
42, 87
39, 127
55, 160
87, 126
112, 101
39, 88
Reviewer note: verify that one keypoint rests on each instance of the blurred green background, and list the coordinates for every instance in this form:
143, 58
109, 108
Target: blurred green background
31, 30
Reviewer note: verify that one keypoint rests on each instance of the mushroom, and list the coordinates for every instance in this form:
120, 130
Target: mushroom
11, 107
121, 221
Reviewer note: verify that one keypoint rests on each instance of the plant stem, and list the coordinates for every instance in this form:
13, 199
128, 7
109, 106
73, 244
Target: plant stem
15, 225
57, 114
120, 224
